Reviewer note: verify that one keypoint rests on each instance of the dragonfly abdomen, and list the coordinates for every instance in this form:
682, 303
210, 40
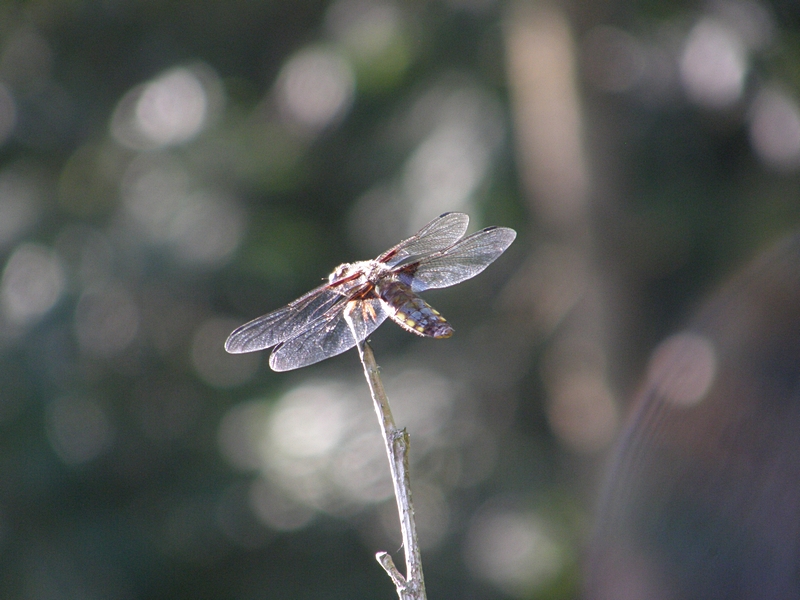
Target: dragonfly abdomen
411, 312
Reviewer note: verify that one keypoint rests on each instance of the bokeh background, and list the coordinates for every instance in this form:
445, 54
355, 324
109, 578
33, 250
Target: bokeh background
169, 170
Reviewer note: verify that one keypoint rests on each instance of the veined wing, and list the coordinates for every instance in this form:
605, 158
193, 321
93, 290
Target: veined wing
440, 233
330, 335
462, 260
284, 323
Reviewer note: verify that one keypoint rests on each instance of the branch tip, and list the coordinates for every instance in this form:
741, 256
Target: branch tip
385, 559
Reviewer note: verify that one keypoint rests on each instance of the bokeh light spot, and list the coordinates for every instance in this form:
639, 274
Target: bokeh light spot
775, 129
513, 550
364, 27
373, 34
583, 411
78, 429
422, 400
683, 368
445, 169
713, 65
360, 469
456, 128
308, 421
201, 227
33, 281
171, 109
752, 20
153, 191
581, 408
318, 448
315, 87
207, 229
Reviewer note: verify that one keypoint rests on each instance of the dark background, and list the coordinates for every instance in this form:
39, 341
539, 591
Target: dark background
169, 170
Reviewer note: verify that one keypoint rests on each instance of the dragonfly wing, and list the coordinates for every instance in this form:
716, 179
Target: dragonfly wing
284, 323
442, 232
462, 260
330, 336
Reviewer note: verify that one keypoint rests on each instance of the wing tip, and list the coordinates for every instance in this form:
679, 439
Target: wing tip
237, 343
508, 234
233, 347
452, 212
278, 368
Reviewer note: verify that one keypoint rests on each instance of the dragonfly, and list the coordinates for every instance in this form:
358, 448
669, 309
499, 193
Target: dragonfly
359, 296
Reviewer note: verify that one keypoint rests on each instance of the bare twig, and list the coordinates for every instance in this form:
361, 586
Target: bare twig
412, 586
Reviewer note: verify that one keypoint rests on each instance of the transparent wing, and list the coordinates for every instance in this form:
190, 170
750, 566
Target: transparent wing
329, 336
462, 260
437, 235
284, 323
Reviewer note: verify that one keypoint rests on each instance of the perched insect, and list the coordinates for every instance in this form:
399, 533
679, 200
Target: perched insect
359, 296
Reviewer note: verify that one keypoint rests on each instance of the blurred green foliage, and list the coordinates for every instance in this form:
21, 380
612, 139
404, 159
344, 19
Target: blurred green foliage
112, 479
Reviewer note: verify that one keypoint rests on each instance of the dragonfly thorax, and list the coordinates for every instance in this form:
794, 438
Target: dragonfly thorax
360, 272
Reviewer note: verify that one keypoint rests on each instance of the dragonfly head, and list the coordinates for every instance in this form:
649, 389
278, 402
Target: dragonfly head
343, 271
365, 270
